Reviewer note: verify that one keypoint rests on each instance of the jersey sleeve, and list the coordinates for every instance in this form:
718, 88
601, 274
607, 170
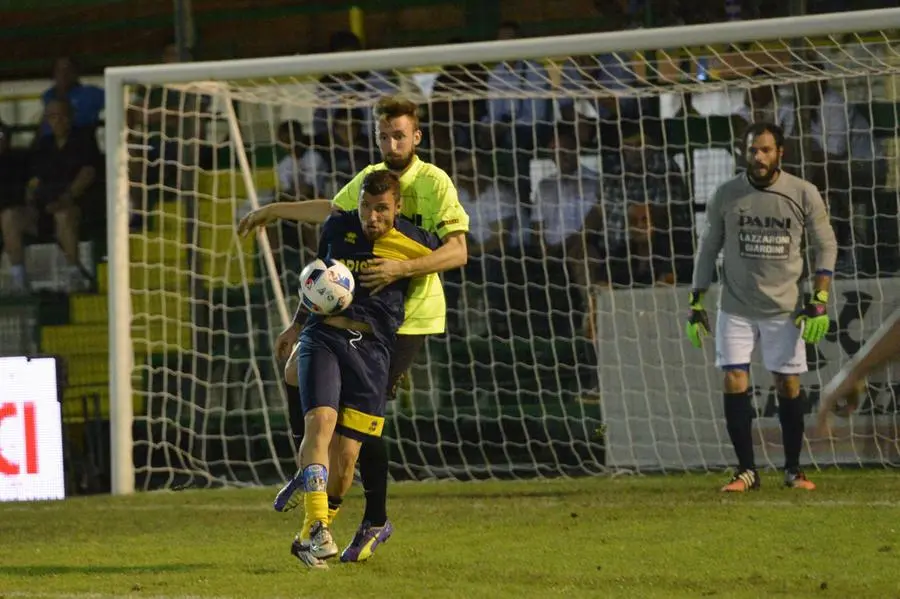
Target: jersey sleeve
329, 230
423, 237
820, 232
712, 238
348, 197
450, 216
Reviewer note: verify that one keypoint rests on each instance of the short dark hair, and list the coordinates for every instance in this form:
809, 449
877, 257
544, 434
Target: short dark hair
71, 60
354, 115
293, 129
393, 107
757, 129
377, 183
564, 132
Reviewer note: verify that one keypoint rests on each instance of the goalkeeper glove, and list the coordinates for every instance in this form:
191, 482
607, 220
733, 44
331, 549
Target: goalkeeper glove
697, 325
813, 318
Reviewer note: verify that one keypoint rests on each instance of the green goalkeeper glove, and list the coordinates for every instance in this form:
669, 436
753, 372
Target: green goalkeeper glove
813, 318
697, 325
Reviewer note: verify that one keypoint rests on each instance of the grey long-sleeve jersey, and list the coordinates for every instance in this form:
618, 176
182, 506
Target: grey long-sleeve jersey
761, 231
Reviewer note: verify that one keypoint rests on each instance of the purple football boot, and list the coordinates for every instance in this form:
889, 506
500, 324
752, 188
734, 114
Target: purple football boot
365, 541
289, 495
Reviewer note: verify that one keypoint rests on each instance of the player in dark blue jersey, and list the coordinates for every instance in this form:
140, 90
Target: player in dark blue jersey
343, 360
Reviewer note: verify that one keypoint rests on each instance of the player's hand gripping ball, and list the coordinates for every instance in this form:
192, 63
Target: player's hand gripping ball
326, 286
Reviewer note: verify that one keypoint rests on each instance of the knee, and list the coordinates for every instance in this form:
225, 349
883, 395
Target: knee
319, 424
787, 386
737, 380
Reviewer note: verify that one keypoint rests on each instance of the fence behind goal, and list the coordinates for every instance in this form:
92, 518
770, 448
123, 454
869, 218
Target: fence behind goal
584, 162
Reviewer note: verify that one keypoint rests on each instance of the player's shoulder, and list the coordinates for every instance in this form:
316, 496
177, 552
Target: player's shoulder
407, 228
429, 173
341, 219
731, 188
416, 233
736, 182
797, 184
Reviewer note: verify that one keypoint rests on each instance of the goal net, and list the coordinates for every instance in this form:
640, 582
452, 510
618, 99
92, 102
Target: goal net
584, 163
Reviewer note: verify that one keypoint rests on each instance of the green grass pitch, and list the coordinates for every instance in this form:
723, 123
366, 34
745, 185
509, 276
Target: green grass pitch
654, 536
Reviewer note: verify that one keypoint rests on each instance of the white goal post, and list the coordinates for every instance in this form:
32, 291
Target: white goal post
657, 402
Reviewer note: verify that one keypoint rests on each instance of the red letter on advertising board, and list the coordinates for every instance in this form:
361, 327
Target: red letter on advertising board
7, 410
31, 454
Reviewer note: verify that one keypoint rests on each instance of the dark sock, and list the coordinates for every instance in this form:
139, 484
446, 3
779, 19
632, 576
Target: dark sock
295, 415
295, 411
334, 503
373, 470
790, 412
739, 422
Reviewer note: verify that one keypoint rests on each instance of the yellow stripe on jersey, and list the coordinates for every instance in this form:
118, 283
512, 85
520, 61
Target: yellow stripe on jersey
361, 422
394, 245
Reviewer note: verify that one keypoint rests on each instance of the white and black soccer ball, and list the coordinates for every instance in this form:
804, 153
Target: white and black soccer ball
326, 286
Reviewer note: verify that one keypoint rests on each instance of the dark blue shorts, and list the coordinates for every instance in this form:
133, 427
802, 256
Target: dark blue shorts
347, 371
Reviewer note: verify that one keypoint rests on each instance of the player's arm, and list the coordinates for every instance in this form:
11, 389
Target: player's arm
452, 226
884, 347
312, 212
453, 253
710, 243
814, 317
848, 385
821, 239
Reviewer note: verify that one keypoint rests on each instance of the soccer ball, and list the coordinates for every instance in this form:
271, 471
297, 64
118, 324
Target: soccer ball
326, 286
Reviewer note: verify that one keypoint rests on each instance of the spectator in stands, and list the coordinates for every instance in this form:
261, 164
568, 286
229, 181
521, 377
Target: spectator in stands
87, 101
642, 174
297, 181
457, 121
13, 176
564, 216
494, 221
341, 153
294, 180
13, 170
521, 112
349, 89
65, 169
166, 128
644, 258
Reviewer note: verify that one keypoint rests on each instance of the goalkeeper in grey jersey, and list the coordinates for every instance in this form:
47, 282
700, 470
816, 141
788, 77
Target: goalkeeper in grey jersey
759, 219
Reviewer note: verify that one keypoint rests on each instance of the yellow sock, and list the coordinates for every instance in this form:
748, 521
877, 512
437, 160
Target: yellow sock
332, 514
315, 499
306, 523
315, 504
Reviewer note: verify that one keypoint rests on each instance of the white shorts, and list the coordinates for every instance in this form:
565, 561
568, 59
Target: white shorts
783, 350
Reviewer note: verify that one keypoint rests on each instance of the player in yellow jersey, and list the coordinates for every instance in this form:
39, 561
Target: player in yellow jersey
429, 200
